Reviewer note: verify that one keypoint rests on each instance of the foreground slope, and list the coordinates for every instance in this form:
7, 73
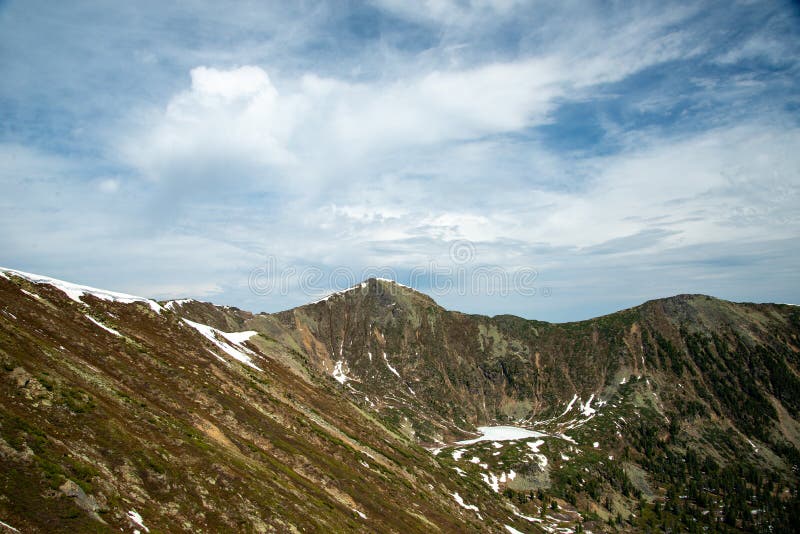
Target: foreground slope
116, 413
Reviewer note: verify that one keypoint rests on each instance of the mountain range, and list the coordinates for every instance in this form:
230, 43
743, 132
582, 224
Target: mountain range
377, 410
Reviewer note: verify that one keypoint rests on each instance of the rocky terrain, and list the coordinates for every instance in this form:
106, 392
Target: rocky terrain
360, 413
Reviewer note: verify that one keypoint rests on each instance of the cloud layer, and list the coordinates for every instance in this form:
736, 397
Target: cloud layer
622, 154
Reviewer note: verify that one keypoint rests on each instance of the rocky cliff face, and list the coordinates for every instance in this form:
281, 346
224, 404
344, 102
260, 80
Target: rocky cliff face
678, 414
735, 361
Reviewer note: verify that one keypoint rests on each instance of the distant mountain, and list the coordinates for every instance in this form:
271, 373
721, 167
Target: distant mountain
118, 412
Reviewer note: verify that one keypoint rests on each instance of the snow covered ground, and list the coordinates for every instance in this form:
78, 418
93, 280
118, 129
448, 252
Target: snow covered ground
502, 433
236, 338
104, 327
75, 291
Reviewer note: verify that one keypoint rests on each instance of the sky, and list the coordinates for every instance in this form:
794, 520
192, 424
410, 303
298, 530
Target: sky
553, 160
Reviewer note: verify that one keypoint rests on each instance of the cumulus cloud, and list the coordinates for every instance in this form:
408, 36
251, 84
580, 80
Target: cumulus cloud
238, 116
236, 125
377, 136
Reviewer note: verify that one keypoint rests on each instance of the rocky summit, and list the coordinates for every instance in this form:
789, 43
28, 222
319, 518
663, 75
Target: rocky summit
377, 410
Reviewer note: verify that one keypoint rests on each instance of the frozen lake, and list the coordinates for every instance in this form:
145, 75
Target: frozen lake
501, 433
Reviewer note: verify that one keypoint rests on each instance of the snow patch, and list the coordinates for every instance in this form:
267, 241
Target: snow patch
501, 433
512, 530
136, 518
1, 522
540, 458
461, 503
595, 444
173, 303
534, 445
212, 334
238, 338
569, 406
362, 285
104, 327
458, 453
492, 481
338, 374
566, 438
394, 282
527, 517
33, 295
392, 369
75, 291
586, 409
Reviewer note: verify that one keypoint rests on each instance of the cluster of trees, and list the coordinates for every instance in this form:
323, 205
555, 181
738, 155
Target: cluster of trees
702, 496
694, 492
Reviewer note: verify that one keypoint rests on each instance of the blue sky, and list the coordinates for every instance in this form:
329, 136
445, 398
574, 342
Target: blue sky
621, 153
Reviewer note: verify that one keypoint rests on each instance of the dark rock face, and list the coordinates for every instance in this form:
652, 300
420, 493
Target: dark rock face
469, 370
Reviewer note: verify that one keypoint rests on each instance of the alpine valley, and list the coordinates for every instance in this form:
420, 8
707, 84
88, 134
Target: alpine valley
377, 410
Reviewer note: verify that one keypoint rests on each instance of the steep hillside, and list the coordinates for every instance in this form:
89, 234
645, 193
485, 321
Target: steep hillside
685, 375
677, 415
116, 413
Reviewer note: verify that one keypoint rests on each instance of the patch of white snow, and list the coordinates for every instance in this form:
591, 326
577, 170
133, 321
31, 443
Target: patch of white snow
1, 522
75, 291
492, 481
586, 409
569, 406
238, 338
392, 369
461, 503
501, 433
338, 374
33, 295
136, 518
212, 334
104, 327
173, 303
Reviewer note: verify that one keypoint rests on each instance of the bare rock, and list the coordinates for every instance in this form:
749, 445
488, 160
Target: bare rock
85, 502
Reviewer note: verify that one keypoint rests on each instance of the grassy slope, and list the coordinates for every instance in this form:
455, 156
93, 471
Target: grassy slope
154, 422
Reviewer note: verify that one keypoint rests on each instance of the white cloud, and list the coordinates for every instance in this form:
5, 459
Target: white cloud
381, 150
725, 185
450, 12
237, 125
109, 185
238, 116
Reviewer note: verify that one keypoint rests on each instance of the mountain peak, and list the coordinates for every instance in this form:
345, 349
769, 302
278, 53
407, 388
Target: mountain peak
382, 288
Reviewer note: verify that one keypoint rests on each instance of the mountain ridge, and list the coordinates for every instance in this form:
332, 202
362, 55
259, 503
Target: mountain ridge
612, 399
